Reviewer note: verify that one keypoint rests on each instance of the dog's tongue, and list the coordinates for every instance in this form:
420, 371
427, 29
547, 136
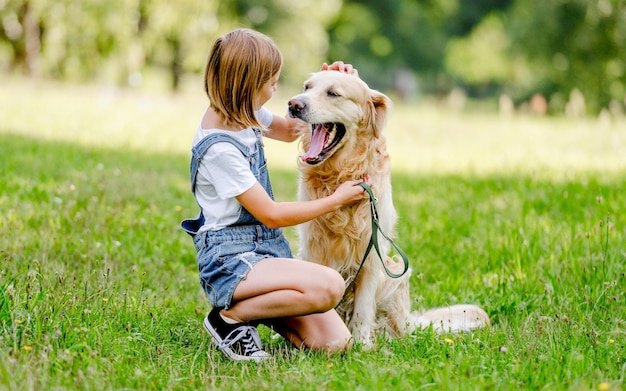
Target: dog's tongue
318, 139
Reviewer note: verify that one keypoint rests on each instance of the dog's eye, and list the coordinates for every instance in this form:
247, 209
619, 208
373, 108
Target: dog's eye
306, 87
333, 93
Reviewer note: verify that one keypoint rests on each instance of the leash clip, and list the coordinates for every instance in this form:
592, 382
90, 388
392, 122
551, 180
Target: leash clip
373, 209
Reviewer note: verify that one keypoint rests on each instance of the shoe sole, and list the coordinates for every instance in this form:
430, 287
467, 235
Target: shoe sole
217, 341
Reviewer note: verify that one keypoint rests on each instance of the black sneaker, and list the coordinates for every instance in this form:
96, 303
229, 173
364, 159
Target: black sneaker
238, 341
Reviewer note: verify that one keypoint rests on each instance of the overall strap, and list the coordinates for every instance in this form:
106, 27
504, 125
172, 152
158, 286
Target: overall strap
199, 150
191, 226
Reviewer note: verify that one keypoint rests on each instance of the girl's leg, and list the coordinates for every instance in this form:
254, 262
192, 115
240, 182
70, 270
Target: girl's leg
294, 296
324, 331
281, 288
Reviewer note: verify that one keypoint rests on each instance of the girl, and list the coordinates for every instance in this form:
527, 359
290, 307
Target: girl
245, 263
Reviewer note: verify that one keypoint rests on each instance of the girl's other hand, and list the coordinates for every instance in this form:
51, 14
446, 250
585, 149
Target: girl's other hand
341, 67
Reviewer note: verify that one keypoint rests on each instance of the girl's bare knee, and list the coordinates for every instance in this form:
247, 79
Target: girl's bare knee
338, 287
339, 346
330, 290
329, 341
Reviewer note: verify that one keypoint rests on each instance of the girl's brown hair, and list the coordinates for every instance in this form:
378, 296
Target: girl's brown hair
239, 64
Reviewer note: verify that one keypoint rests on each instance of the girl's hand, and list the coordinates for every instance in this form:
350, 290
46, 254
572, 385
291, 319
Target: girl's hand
341, 67
349, 192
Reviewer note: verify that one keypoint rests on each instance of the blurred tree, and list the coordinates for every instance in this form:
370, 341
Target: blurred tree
388, 40
174, 35
480, 61
22, 28
552, 48
568, 46
120, 39
66, 39
384, 38
565, 50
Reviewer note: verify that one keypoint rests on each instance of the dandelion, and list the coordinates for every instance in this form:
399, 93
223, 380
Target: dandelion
448, 340
178, 208
105, 299
611, 341
19, 321
604, 386
28, 348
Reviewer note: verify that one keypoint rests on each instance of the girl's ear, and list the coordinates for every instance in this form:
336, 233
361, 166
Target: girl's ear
376, 114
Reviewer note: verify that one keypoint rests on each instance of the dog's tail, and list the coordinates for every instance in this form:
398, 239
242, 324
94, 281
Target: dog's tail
452, 319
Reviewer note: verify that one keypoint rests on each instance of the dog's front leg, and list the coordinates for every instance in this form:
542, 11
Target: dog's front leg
363, 320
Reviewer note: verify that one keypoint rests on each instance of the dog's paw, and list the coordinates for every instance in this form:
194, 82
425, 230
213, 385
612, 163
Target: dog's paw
363, 336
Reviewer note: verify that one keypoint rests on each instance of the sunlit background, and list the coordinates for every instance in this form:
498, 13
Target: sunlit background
477, 85
572, 53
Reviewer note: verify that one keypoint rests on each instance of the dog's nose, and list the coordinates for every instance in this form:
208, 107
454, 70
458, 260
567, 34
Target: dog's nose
296, 106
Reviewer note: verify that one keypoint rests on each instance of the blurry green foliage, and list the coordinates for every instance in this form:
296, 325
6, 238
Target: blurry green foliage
557, 48
571, 45
481, 57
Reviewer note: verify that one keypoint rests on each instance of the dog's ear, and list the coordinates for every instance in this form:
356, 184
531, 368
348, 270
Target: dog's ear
376, 114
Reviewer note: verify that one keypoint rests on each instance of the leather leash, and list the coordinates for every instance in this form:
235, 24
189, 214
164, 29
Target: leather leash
374, 243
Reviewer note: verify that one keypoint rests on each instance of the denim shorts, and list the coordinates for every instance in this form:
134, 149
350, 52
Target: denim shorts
226, 256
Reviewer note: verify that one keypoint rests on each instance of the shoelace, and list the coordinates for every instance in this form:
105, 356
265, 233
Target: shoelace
250, 340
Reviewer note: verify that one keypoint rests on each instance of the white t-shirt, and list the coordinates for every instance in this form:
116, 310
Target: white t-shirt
224, 173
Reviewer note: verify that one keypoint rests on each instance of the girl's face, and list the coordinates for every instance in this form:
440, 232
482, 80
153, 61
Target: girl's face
267, 91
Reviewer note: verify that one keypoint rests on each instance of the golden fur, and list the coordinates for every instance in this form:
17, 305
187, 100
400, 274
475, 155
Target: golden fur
331, 102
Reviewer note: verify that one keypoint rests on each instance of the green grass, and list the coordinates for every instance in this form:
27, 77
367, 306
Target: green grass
99, 288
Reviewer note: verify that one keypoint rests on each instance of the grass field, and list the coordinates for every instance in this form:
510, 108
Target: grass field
98, 286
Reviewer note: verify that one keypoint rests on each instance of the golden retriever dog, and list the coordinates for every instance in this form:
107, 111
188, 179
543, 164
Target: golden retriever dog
345, 142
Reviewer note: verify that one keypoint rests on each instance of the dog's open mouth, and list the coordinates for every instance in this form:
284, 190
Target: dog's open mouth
325, 137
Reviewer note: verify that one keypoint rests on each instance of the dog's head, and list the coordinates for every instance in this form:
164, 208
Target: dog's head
340, 108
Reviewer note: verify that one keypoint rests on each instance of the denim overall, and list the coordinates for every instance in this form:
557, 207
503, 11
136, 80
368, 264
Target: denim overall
227, 255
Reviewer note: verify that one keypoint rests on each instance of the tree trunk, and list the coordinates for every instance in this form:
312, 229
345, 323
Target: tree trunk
32, 39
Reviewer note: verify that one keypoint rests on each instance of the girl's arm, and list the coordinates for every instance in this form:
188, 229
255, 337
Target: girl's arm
284, 214
286, 129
